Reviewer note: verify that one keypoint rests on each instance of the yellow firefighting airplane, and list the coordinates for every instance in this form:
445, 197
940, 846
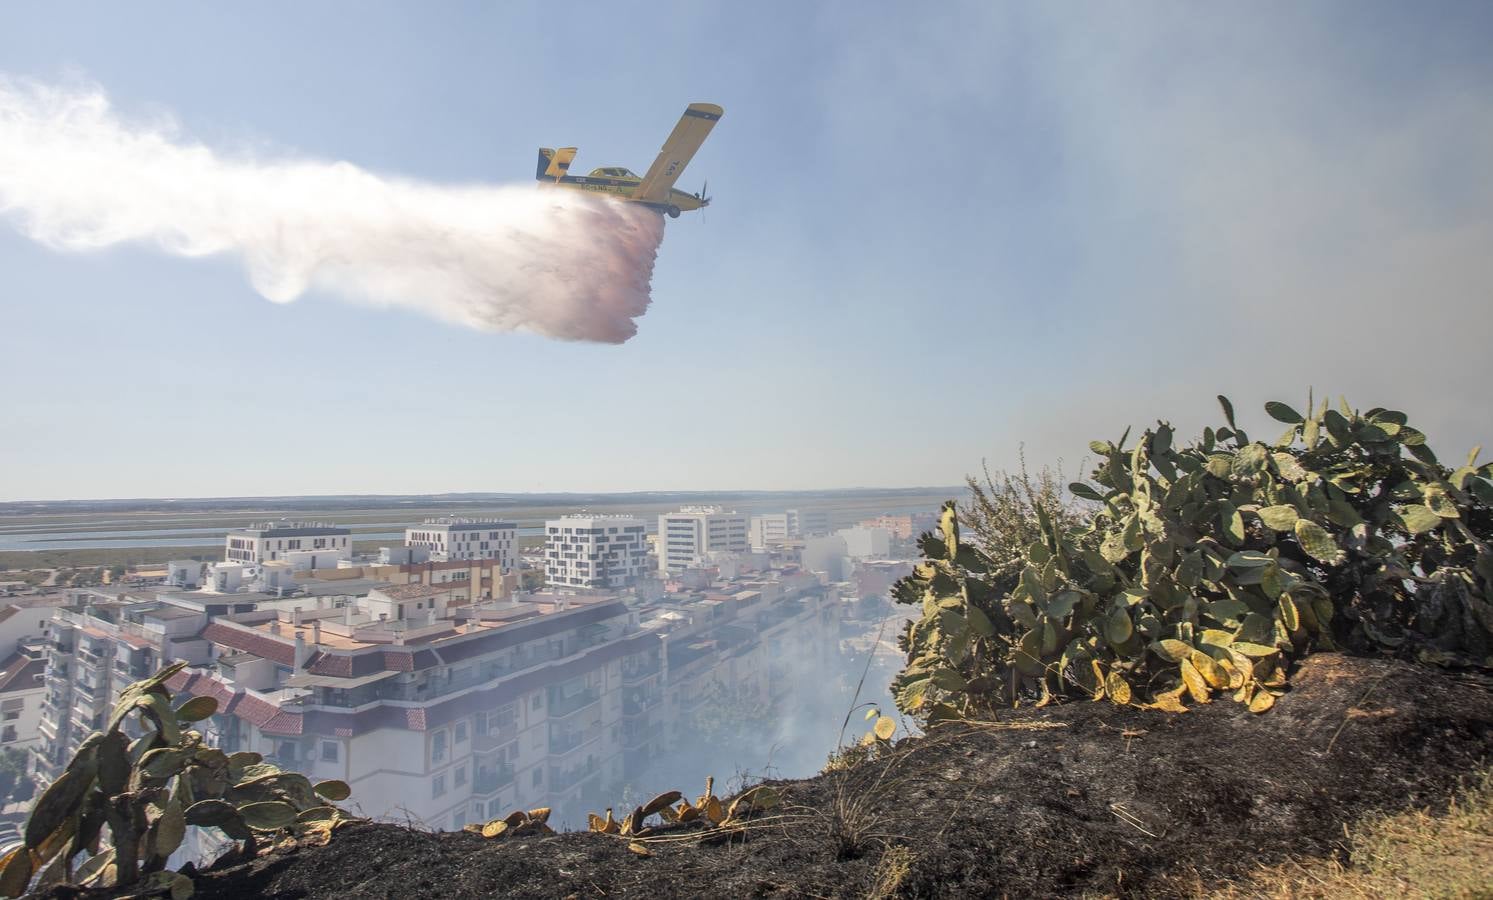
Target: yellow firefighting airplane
655, 189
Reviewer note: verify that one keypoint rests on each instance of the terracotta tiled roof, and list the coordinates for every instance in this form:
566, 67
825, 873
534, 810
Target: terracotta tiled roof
252, 642
268, 717
21, 673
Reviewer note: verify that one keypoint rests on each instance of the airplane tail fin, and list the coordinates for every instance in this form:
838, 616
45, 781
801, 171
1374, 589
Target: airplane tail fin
554, 163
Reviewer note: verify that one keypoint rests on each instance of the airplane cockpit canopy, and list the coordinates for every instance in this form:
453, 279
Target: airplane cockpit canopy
614, 172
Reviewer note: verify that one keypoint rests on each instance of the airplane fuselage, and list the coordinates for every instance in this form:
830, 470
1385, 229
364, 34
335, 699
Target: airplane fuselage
622, 188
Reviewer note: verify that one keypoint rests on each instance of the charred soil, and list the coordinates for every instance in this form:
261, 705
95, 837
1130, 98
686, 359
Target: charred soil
1083, 799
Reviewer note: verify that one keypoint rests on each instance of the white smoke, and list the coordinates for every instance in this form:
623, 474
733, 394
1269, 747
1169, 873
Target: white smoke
75, 176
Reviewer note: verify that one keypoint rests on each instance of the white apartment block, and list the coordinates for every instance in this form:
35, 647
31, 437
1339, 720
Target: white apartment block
687, 537
808, 522
594, 551
305, 545
449, 539
770, 530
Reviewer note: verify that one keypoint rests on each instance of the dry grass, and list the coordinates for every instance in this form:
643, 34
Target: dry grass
891, 871
1447, 855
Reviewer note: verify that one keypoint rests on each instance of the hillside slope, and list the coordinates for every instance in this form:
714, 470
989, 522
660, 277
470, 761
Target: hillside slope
1082, 799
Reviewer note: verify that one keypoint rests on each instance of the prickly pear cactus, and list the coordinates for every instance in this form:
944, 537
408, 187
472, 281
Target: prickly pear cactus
148, 790
1208, 569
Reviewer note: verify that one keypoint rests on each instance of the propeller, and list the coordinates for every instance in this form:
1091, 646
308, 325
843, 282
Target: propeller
703, 195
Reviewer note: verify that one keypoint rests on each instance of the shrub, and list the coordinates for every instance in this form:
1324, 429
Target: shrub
1211, 568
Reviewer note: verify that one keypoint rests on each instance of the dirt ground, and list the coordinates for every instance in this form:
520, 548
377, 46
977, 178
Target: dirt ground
1084, 799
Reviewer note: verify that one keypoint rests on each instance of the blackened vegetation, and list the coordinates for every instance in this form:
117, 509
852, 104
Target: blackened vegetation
1081, 798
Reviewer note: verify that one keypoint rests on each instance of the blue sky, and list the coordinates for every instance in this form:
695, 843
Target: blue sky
940, 234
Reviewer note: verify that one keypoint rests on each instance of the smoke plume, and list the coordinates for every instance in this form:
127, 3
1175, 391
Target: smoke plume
76, 176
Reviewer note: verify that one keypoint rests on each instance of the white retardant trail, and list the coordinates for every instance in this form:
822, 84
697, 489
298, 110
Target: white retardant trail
75, 176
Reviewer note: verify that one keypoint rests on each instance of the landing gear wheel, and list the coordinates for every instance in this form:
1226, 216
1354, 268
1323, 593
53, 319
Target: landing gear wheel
673, 212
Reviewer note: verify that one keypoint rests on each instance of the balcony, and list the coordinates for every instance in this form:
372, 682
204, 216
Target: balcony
488, 780
633, 738
564, 781
560, 707
641, 673
564, 743
633, 706
495, 737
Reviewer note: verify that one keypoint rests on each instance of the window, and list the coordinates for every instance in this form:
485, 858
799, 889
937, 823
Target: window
8, 734
461, 776
460, 732
329, 751
438, 748
538, 776
438, 785
457, 821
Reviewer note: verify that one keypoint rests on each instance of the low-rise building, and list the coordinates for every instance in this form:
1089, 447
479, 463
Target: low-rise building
305, 545
448, 538
22, 687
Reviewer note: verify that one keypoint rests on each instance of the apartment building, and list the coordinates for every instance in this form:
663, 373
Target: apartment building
22, 687
98, 644
430, 703
756, 639
687, 537
594, 551
447, 538
23, 626
808, 522
903, 528
305, 545
769, 531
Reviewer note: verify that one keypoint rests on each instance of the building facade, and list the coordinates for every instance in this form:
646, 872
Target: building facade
305, 545
808, 522
431, 703
447, 539
770, 530
595, 551
903, 528
687, 537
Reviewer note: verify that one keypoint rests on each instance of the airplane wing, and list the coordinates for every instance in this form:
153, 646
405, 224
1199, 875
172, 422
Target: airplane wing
694, 126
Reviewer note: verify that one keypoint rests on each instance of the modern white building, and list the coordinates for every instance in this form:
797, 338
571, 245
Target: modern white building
305, 545
448, 538
828, 556
770, 530
866, 543
686, 537
808, 522
594, 551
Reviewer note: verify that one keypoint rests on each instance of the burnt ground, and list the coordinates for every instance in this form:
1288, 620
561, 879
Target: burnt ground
1084, 799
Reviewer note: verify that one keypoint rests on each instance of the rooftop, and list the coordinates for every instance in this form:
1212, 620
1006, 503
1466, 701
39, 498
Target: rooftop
419, 591
289, 529
22, 673
458, 522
